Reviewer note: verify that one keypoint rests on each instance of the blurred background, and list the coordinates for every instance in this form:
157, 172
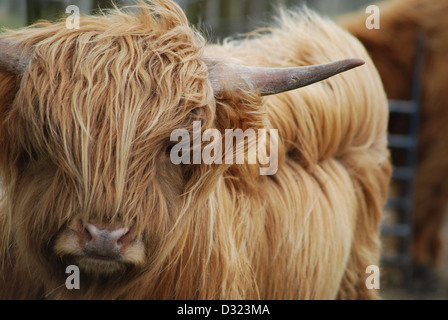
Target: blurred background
220, 18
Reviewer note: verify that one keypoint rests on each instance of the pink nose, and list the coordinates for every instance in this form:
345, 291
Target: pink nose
104, 243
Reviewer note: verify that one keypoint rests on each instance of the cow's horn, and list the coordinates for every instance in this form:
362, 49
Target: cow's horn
13, 58
268, 81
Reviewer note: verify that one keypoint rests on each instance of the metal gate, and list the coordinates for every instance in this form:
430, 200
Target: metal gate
404, 173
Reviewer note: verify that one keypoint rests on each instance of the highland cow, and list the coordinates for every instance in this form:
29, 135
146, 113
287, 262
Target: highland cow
86, 117
393, 50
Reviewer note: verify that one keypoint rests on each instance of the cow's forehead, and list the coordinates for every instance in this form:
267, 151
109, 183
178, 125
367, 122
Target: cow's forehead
117, 70
113, 90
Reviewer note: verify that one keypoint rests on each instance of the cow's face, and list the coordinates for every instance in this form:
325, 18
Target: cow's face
90, 175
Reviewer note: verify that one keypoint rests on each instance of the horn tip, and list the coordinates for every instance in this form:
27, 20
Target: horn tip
355, 62
348, 64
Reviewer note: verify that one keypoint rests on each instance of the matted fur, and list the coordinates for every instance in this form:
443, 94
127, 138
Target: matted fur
83, 136
393, 50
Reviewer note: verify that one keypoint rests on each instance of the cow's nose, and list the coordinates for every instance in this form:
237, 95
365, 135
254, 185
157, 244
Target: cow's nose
105, 244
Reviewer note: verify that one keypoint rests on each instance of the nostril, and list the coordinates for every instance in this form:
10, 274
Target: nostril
126, 238
119, 237
83, 232
87, 235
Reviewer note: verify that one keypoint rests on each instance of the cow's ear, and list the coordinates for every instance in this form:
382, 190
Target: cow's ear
14, 59
8, 89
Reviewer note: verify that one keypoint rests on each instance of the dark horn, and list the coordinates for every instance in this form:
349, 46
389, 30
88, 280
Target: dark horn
269, 81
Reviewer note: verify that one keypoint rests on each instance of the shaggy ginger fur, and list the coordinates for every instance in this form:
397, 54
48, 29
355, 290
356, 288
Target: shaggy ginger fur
83, 137
393, 50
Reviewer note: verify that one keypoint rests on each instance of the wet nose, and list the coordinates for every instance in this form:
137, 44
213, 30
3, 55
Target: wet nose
104, 243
